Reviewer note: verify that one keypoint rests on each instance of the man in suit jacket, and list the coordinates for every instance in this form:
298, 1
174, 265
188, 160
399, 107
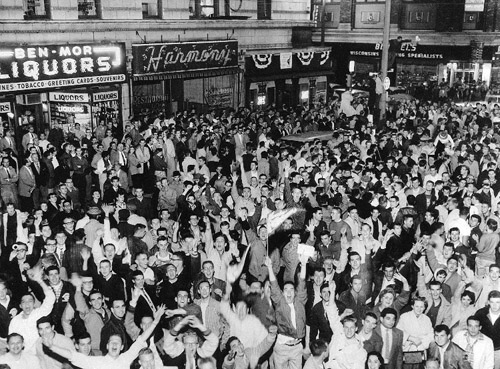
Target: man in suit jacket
210, 310
26, 187
41, 173
63, 290
317, 318
392, 349
122, 176
8, 183
450, 355
143, 296
51, 172
385, 278
28, 138
8, 142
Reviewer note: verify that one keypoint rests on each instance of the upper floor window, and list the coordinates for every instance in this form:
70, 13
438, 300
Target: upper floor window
89, 9
204, 8
34, 9
151, 9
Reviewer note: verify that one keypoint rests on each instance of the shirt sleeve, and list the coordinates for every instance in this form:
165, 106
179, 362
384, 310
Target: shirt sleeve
133, 351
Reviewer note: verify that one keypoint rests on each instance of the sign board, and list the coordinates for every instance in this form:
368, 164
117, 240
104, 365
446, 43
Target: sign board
49, 66
5, 107
387, 83
164, 58
474, 5
68, 97
286, 60
105, 96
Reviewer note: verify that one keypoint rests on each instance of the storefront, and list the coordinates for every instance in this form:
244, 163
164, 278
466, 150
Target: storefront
71, 83
168, 77
417, 63
289, 78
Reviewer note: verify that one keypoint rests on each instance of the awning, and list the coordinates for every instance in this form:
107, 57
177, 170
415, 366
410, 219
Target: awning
204, 73
289, 75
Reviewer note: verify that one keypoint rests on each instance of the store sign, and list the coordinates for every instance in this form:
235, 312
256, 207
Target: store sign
178, 57
105, 96
219, 96
408, 51
5, 107
68, 97
76, 109
48, 66
474, 5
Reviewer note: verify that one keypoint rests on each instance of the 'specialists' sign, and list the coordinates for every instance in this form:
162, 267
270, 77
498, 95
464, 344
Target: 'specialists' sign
49, 66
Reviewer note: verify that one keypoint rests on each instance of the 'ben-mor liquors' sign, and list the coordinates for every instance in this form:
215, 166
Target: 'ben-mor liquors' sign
51, 66
163, 58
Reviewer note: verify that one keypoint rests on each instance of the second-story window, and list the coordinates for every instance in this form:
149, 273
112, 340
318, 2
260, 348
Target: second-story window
34, 9
204, 9
151, 8
88, 9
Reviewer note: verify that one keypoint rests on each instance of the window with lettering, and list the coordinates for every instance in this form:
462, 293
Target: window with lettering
89, 9
151, 9
34, 9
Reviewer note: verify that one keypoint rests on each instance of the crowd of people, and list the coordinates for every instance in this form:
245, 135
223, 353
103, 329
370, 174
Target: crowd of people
206, 241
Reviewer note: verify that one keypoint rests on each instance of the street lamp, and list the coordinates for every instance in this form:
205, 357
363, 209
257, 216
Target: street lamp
385, 54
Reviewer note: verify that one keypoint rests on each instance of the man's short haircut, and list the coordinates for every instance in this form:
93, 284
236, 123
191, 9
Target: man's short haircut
495, 294
318, 347
44, 319
137, 273
12, 335
474, 318
371, 315
348, 319
82, 336
388, 311
51, 268
442, 328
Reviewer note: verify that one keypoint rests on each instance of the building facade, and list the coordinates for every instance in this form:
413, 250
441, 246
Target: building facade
86, 61
459, 39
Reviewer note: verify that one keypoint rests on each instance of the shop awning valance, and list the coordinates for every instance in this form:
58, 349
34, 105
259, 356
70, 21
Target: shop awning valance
187, 74
290, 75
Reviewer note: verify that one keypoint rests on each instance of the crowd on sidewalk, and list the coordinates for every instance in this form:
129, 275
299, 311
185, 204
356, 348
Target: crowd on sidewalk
207, 241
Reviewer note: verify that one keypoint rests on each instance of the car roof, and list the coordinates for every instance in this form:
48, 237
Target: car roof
309, 136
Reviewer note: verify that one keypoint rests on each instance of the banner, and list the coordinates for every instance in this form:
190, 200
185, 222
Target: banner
162, 58
47, 66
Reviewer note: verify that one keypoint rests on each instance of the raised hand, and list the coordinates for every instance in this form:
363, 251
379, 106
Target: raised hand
268, 262
36, 274
159, 313
85, 253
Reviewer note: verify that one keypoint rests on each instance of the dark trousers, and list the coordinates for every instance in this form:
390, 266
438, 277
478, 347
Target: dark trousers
26, 203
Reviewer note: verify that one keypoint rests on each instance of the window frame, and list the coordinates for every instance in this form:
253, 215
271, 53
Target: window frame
97, 6
159, 9
46, 5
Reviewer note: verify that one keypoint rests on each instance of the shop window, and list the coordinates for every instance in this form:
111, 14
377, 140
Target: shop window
204, 9
88, 9
151, 9
36, 9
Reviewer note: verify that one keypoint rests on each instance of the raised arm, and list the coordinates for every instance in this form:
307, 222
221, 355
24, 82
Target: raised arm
276, 293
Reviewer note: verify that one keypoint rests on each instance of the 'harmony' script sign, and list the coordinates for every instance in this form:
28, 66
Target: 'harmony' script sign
178, 57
